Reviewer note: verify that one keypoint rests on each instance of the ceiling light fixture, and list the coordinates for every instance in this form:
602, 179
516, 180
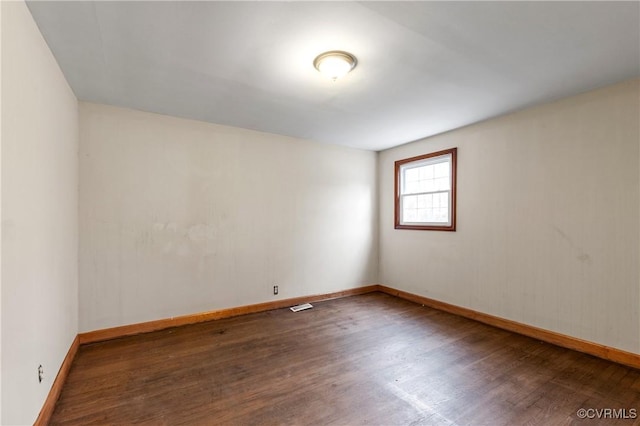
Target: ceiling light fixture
335, 64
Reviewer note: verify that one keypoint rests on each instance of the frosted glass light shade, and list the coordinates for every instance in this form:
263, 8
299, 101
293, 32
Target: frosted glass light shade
335, 64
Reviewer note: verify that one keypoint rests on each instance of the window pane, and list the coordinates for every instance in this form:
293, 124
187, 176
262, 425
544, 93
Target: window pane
444, 199
426, 178
413, 174
426, 172
410, 202
423, 215
425, 208
410, 214
412, 187
441, 184
442, 170
427, 185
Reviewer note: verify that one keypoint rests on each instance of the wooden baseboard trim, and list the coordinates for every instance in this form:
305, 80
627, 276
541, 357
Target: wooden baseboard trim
50, 403
146, 327
601, 351
612, 354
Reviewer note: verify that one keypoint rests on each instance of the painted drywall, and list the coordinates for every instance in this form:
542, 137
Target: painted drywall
0, 214
39, 216
548, 208
179, 216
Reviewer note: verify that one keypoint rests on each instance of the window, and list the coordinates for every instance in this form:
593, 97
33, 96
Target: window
425, 192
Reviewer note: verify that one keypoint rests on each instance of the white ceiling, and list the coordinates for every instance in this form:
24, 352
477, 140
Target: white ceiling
423, 67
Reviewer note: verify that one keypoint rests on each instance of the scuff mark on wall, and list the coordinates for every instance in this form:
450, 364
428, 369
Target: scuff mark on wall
582, 256
585, 258
172, 238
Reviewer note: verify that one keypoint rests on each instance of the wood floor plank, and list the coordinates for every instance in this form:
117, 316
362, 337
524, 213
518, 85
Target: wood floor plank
368, 359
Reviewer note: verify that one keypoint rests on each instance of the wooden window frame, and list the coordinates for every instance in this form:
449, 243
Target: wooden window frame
430, 227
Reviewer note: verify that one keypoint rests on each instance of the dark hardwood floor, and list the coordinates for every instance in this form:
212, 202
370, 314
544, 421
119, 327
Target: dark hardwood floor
370, 359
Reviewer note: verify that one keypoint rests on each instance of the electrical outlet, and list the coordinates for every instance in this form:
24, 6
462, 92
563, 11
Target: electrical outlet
40, 374
275, 289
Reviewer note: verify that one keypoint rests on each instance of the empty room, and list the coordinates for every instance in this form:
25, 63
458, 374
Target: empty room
310, 213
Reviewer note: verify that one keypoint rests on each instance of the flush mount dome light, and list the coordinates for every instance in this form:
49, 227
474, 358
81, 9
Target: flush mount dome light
335, 64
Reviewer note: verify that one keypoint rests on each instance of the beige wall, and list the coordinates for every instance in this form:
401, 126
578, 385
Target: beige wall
0, 213
39, 216
548, 208
180, 216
